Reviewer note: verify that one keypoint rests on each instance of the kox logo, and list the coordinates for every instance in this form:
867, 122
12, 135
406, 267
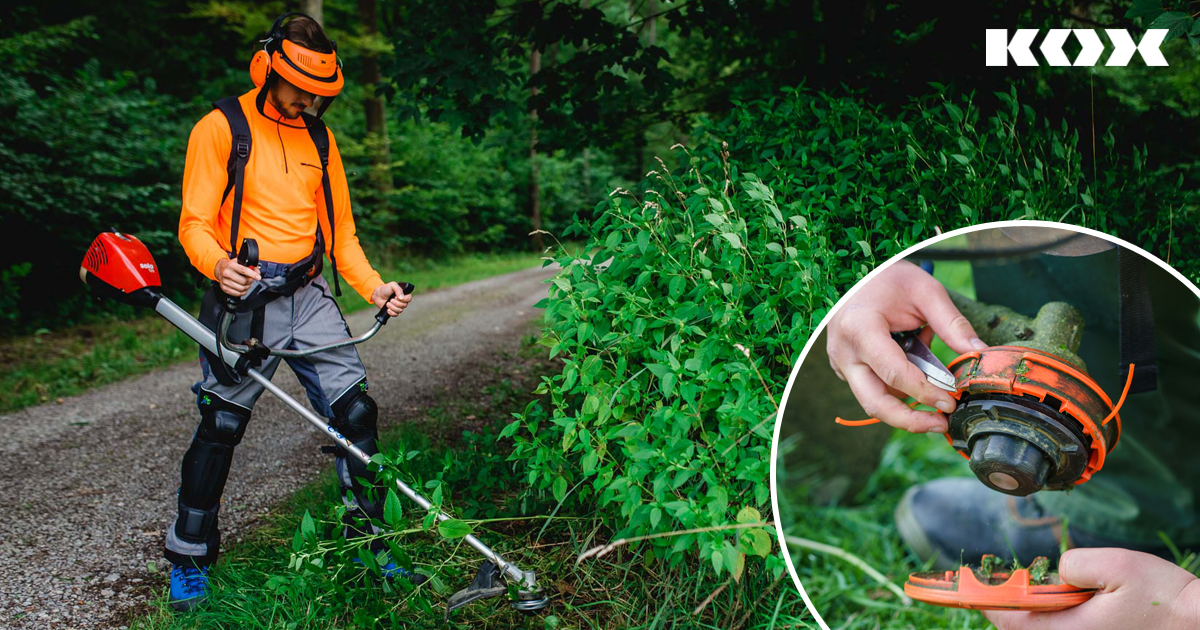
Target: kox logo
999, 46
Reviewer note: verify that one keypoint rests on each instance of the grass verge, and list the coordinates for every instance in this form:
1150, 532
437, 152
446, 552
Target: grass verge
454, 444
50, 365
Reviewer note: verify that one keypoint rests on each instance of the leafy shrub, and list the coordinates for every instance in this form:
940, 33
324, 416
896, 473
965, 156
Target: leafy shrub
678, 329
941, 161
84, 154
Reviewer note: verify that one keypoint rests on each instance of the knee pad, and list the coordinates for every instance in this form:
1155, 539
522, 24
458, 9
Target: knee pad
221, 422
355, 414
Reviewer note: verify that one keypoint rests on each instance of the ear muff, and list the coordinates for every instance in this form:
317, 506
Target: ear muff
260, 65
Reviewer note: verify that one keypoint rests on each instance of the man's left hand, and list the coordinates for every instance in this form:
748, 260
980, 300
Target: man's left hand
389, 293
1136, 590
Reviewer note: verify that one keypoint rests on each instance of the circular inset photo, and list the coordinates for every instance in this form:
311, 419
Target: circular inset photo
998, 428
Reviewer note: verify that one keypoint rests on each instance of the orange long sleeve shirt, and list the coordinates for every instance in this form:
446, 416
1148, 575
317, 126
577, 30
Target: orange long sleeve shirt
282, 203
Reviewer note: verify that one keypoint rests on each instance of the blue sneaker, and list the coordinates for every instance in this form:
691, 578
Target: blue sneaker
189, 587
391, 571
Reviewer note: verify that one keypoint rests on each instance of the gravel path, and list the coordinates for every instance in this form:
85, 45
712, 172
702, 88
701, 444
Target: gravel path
88, 485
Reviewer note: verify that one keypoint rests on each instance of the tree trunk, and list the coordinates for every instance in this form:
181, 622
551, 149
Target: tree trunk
535, 202
314, 9
377, 136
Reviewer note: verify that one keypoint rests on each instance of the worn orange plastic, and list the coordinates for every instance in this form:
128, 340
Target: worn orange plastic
962, 589
1022, 371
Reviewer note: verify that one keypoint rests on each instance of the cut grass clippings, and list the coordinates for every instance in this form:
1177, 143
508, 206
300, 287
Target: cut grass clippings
50, 365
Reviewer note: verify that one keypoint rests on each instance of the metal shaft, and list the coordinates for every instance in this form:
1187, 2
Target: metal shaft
205, 337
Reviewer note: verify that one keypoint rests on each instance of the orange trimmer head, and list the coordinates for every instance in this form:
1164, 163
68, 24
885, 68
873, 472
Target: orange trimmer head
1028, 420
999, 590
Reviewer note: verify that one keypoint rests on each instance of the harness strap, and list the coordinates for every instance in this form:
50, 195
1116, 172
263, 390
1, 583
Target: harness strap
320, 137
1136, 337
239, 154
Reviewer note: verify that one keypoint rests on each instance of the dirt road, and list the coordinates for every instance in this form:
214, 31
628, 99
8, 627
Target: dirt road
87, 486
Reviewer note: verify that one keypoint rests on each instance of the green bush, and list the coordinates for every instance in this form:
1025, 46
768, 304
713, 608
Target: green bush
678, 330
84, 154
890, 178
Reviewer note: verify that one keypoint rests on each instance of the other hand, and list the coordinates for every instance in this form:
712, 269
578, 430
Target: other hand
863, 353
389, 293
1137, 590
233, 278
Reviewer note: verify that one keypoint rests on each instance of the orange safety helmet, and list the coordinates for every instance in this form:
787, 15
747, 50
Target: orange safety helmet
309, 70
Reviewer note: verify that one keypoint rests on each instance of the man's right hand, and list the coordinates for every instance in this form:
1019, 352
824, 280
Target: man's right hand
863, 353
233, 278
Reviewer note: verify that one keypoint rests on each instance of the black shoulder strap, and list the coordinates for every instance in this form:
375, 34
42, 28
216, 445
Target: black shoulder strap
320, 138
239, 154
1136, 338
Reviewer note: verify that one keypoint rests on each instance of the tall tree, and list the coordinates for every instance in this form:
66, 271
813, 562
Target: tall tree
314, 9
535, 201
373, 106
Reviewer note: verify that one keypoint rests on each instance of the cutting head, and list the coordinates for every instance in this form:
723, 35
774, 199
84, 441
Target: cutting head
1027, 420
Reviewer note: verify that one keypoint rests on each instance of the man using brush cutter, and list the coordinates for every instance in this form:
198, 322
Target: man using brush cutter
259, 167
1133, 312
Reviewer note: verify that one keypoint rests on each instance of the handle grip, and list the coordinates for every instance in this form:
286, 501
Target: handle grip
248, 255
382, 316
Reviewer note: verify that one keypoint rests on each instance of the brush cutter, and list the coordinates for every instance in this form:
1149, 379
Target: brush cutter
119, 267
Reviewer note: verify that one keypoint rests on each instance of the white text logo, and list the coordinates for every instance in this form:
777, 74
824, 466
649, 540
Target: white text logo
999, 46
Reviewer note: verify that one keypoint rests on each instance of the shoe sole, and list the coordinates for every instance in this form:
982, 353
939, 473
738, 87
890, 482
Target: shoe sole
185, 605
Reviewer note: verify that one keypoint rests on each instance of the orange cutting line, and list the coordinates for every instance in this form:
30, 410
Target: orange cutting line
863, 423
1128, 382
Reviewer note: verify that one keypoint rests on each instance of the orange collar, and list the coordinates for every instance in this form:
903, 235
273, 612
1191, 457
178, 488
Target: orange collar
268, 110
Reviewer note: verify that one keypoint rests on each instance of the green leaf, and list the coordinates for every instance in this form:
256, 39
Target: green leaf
1175, 22
955, 113
454, 529
961, 159
759, 542
749, 515
392, 514
510, 429
733, 239
308, 527
368, 560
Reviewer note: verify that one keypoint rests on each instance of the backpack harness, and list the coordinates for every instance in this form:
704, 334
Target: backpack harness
309, 268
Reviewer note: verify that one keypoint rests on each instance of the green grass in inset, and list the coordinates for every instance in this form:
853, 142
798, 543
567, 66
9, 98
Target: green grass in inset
845, 597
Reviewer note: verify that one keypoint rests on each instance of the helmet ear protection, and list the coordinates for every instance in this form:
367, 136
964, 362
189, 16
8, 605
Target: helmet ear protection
314, 72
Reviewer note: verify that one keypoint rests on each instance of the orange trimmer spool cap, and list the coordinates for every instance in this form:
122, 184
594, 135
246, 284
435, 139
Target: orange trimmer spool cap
1039, 385
1000, 591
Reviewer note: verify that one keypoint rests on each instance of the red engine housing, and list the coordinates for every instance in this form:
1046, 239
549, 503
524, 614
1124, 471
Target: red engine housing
119, 266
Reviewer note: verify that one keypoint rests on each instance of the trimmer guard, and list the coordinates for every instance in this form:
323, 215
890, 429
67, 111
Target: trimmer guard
1003, 591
